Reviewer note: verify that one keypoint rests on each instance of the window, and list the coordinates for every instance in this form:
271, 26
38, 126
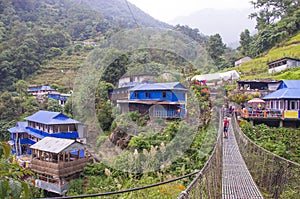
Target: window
293, 105
147, 94
164, 94
272, 104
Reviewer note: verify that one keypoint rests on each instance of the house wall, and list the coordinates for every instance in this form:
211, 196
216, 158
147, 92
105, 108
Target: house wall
53, 128
282, 65
172, 96
290, 104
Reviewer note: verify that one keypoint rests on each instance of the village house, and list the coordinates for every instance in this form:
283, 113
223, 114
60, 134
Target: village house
286, 98
159, 100
45, 91
282, 64
44, 124
60, 97
242, 60
263, 87
127, 82
40, 90
280, 108
56, 161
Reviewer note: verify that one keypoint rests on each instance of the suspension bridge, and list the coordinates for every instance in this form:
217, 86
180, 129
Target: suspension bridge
240, 169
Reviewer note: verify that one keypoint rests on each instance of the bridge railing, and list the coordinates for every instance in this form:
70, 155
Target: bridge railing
208, 182
276, 177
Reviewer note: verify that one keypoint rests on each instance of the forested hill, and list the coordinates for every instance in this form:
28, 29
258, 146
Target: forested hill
122, 11
34, 31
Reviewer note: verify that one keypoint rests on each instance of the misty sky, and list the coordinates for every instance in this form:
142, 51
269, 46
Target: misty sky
167, 10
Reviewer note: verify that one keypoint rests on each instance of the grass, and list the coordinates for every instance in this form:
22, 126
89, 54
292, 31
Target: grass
258, 68
60, 70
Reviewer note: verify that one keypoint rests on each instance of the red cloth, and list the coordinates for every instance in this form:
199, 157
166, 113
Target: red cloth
226, 122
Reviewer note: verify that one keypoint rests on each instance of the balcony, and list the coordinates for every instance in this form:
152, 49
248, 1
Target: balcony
167, 114
52, 187
58, 169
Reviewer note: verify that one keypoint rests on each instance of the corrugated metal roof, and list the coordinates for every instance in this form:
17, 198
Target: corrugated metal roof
20, 127
57, 145
290, 84
159, 86
284, 58
285, 93
48, 117
233, 74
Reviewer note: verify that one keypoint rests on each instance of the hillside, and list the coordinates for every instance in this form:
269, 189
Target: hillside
33, 32
118, 11
258, 68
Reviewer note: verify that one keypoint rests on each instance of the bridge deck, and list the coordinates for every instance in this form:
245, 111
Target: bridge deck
237, 182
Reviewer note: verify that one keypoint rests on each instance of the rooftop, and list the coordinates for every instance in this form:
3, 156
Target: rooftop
290, 84
285, 93
57, 145
19, 128
159, 86
47, 117
284, 58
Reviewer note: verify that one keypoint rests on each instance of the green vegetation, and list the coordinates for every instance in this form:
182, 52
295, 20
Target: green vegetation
39, 36
42, 42
151, 155
276, 20
281, 141
12, 184
258, 68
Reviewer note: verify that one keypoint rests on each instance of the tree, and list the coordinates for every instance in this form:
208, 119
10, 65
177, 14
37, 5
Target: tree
21, 87
68, 108
271, 11
245, 43
103, 105
53, 105
193, 33
216, 48
7, 107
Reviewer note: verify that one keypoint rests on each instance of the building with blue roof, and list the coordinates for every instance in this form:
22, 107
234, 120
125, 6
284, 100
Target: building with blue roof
44, 124
159, 100
286, 98
45, 91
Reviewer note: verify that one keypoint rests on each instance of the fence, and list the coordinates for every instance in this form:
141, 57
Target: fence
208, 182
275, 176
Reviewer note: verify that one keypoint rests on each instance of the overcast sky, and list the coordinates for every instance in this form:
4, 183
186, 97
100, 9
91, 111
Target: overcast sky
167, 10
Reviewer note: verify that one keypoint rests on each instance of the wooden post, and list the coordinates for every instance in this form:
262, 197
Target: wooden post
281, 123
64, 156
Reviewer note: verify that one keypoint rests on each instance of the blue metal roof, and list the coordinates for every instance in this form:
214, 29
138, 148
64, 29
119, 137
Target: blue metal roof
159, 86
20, 127
57, 97
284, 93
290, 84
47, 117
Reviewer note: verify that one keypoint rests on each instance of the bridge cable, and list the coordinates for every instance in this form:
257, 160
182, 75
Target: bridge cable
127, 190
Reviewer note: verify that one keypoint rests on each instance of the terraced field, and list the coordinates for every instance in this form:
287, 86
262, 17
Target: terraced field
61, 70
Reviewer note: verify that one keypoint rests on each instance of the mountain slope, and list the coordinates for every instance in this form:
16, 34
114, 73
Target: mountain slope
32, 32
258, 68
122, 11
